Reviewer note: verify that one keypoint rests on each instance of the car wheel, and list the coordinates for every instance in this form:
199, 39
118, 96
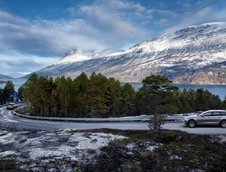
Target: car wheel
191, 123
223, 124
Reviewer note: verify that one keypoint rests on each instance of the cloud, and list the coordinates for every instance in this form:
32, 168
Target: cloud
118, 21
204, 14
43, 37
100, 27
17, 64
168, 13
162, 21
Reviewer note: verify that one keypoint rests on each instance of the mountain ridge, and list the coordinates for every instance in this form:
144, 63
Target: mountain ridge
4, 77
186, 55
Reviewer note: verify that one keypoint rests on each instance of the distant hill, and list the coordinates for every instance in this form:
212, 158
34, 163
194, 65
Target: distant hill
5, 77
195, 54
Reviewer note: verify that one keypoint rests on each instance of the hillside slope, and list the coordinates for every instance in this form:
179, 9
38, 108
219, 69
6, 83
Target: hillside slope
5, 77
196, 54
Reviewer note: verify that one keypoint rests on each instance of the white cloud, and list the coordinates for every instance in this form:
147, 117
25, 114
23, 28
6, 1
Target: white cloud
47, 37
167, 13
17, 64
103, 26
162, 21
198, 16
119, 21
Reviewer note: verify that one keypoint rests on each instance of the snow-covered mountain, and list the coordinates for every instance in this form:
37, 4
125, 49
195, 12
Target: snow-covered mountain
196, 54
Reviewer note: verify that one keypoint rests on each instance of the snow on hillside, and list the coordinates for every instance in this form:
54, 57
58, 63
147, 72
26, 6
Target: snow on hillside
72, 56
193, 51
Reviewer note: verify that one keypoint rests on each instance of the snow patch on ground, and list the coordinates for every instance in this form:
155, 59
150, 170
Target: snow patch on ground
130, 146
222, 138
39, 153
7, 154
151, 148
46, 147
94, 141
175, 157
7, 138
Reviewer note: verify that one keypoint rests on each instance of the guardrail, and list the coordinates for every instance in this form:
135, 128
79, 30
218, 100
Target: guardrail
100, 120
90, 120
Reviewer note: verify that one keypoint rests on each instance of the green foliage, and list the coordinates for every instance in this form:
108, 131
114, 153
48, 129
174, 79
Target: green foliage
157, 96
156, 122
128, 97
98, 96
76, 169
7, 93
94, 96
198, 100
19, 93
156, 80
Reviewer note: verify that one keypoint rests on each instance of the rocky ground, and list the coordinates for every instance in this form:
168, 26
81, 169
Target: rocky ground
49, 151
110, 151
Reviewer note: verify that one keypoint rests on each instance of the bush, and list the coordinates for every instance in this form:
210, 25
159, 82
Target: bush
156, 121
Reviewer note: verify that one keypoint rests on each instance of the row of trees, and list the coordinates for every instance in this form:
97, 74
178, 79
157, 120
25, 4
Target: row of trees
159, 96
7, 93
98, 96
94, 96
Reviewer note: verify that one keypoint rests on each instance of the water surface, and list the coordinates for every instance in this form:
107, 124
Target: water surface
219, 90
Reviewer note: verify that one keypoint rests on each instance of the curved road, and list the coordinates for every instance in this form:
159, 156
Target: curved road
7, 119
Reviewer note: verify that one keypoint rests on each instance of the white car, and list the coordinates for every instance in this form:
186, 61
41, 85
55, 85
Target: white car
210, 117
11, 106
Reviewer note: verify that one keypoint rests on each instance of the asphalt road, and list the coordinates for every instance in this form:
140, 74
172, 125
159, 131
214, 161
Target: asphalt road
7, 119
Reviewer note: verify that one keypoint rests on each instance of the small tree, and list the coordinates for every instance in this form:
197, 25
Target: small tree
156, 121
8, 92
157, 96
19, 93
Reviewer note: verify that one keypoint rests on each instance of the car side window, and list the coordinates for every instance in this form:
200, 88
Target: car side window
223, 113
216, 114
208, 114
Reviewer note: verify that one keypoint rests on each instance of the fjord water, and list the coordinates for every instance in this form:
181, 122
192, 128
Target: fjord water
219, 90
17, 83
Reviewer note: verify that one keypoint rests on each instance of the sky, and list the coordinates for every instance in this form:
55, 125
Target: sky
36, 33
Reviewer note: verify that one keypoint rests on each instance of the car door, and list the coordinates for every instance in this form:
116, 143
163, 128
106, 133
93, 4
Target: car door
213, 118
204, 119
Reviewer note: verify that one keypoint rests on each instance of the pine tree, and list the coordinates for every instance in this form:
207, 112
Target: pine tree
8, 92
31, 94
128, 95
